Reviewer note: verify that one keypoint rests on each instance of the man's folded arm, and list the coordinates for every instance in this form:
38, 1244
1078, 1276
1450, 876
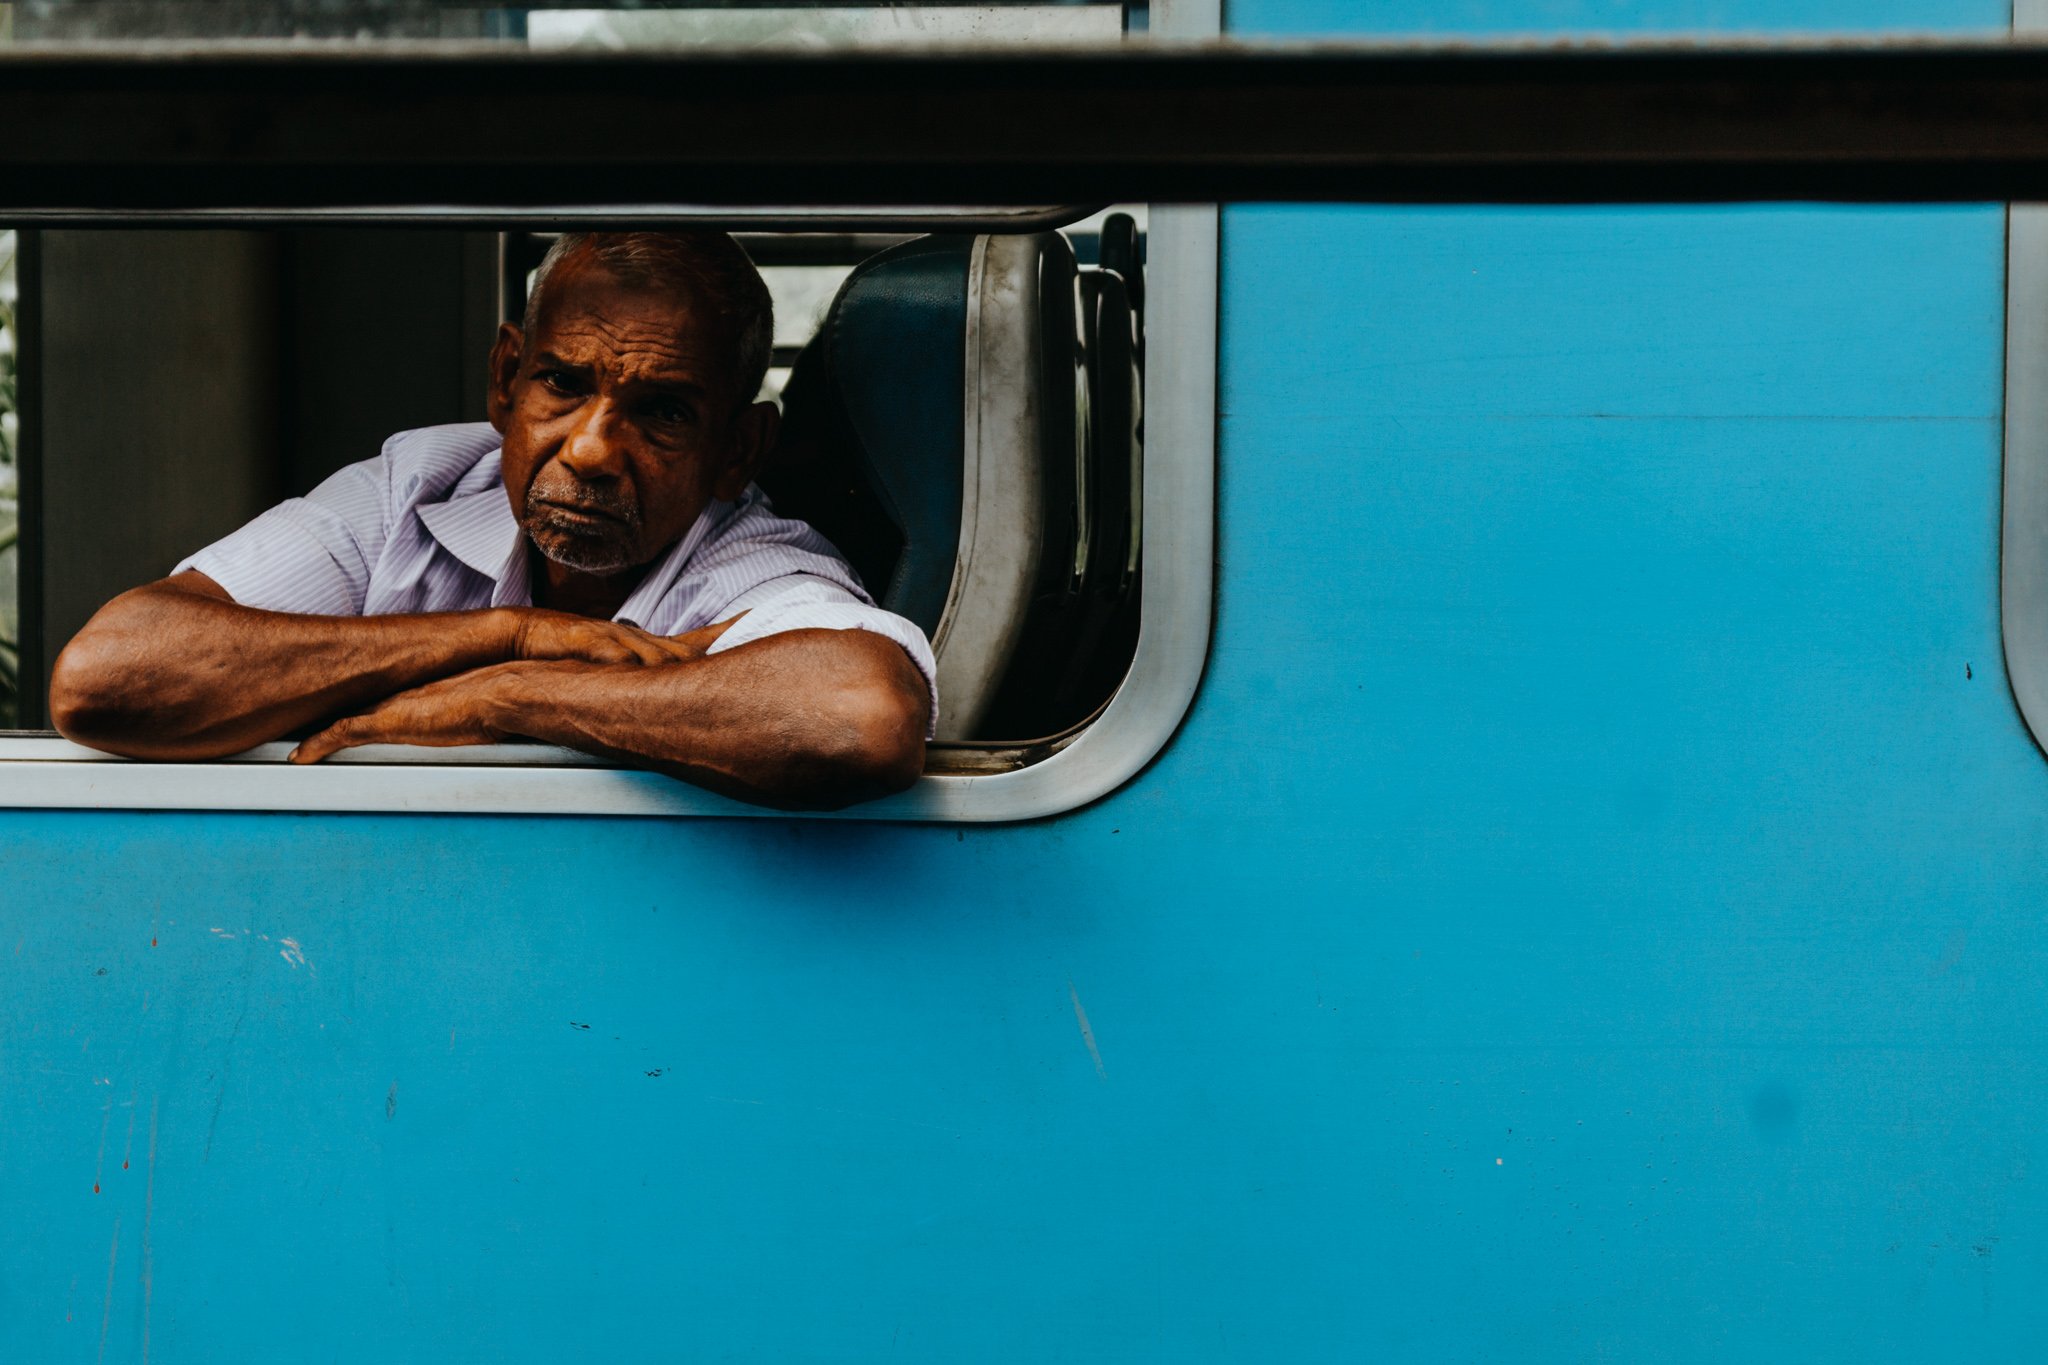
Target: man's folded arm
800, 719
805, 694
177, 669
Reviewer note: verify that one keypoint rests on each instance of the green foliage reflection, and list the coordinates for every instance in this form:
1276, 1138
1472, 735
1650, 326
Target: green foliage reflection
10, 505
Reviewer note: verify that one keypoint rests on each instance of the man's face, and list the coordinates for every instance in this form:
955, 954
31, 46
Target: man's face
620, 420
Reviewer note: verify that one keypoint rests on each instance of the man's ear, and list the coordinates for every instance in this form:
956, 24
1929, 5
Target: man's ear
504, 370
753, 437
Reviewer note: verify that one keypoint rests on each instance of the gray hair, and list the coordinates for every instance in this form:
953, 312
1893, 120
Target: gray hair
709, 268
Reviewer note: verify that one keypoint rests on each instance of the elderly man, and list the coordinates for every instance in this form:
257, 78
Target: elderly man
592, 568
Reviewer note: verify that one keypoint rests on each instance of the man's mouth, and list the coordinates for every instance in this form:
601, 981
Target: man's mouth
582, 515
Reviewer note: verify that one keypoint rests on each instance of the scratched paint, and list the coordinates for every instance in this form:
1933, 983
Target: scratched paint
1087, 1033
147, 1277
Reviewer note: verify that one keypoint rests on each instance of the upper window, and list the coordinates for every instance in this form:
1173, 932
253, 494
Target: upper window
721, 22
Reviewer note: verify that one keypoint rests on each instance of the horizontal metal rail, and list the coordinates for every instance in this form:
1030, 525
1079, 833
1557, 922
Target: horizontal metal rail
480, 131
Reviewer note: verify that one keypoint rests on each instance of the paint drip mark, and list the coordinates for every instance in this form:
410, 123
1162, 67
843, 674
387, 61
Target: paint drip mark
107, 1307
99, 1163
148, 1207
1951, 954
1087, 1034
226, 1065
128, 1147
391, 1102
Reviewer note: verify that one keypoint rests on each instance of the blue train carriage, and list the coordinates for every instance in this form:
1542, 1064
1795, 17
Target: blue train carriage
1485, 807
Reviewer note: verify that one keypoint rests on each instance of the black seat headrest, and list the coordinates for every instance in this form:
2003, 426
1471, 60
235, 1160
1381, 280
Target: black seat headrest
873, 424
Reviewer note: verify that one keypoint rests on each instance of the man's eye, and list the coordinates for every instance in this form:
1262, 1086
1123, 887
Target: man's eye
672, 414
560, 381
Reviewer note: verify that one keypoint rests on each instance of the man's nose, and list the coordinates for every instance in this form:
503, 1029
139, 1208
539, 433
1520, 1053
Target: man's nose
593, 450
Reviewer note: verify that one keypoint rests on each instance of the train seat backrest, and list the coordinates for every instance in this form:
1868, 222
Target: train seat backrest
871, 446
930, 431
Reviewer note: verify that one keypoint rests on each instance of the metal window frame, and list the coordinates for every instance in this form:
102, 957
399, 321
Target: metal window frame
1179, 496
2023, 531
162, 132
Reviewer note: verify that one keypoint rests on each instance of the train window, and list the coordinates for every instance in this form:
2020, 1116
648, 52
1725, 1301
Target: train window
1004, 419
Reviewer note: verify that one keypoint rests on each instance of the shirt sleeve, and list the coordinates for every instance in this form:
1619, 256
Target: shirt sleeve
310, 555
802, 601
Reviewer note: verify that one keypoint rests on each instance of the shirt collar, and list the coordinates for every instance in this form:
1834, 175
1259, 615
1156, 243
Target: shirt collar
479, 529
643, 606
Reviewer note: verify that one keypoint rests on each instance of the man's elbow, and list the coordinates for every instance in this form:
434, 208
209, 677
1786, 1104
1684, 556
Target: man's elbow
106, 694
878, 748
893, 756
89, 699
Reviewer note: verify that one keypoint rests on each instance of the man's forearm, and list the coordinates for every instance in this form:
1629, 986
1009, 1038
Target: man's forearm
813, 718
807, 718
178, 672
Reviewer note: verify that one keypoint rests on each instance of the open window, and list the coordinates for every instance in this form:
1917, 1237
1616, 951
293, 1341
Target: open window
963, 418
973, 413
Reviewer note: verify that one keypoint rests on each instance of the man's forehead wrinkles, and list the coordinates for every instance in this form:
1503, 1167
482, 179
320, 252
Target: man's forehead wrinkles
621, 336
624, 355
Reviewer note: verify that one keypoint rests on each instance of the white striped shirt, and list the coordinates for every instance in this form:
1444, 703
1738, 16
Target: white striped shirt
427, 526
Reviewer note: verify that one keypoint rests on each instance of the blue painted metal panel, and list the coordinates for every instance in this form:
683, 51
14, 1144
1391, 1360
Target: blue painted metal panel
1593, 911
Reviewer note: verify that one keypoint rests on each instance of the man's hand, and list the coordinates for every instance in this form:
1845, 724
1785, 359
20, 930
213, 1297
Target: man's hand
480, 706
541, 634
464, 709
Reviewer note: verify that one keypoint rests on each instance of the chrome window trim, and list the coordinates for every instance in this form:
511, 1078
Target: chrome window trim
1173, 643
2023, 538
2023, 532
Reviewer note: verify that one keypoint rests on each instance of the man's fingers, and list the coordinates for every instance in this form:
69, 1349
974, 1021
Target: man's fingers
652, 649
622, 644
678, 650
695, 644
551, 635
345, 733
